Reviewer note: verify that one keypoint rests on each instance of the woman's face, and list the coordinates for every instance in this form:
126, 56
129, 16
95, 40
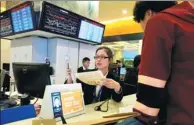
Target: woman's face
101, 59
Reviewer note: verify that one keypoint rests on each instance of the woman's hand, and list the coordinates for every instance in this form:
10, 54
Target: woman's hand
69, 77
111, 84
68, 71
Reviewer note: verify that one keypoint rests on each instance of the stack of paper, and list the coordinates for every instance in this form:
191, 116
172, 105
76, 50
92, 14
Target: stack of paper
126, 109
91, 78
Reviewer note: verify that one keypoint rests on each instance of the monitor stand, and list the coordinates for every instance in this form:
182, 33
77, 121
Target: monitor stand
3, 96
25, 99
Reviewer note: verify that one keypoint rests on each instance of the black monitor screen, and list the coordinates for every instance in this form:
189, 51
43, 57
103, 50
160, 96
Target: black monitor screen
58, 20
31, 78
23, 17
91, 31
6, 26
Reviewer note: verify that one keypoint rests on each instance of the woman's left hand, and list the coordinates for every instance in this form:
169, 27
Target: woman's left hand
111, 84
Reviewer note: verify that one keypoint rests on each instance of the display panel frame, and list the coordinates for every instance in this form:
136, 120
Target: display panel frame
43, 14
97, 23
31, 5
42, 17
8, 14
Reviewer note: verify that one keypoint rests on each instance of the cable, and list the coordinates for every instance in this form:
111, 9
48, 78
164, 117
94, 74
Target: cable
98, 108
36, 101
63, 120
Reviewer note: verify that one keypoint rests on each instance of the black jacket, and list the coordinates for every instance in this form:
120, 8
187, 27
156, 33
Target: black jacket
89, 91
80, 69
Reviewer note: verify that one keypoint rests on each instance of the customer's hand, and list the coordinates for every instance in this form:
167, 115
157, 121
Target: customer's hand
111, 84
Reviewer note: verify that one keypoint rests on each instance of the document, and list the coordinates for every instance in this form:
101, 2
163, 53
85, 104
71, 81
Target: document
91, 78
126, 109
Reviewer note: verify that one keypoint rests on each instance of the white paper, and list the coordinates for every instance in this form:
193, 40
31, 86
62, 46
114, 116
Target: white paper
126, 109
91, 78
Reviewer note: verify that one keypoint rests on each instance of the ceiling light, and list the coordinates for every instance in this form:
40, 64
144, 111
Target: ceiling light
124, 11
3, 9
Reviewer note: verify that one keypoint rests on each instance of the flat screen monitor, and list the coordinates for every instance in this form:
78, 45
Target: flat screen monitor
31, 78
23, 17
57, 20
6, 25
91, 31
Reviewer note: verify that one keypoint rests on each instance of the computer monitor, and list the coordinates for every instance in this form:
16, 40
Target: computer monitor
31, 78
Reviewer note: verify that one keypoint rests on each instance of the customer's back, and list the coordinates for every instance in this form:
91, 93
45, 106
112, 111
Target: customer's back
172, 57
181, 81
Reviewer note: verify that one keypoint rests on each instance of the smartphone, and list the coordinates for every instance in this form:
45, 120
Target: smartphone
56, 104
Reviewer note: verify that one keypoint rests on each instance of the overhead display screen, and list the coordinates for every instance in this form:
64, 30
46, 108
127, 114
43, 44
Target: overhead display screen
58, 20
91, 31
22, 17
6, 26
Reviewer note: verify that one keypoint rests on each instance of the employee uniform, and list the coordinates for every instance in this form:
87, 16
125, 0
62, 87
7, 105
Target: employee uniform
81, 69
100, 93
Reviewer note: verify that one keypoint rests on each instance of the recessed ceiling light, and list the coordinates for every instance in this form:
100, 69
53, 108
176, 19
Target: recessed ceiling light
124, 11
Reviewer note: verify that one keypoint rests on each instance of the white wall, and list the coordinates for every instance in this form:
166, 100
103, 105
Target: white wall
5, 51
21, 50
39, 49
61, 52
28, 49
87, 50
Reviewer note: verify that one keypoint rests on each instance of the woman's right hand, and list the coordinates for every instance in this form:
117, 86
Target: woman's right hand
68, 72
69, 77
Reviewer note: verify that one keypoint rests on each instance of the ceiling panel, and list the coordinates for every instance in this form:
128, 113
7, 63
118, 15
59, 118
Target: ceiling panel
110, 10
128, 45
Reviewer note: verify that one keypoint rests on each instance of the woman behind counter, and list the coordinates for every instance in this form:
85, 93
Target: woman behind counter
108, 88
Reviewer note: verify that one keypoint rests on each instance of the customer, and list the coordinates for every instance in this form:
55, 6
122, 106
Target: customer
110, 87
85, 63
131, 77
166, 63
137, 61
